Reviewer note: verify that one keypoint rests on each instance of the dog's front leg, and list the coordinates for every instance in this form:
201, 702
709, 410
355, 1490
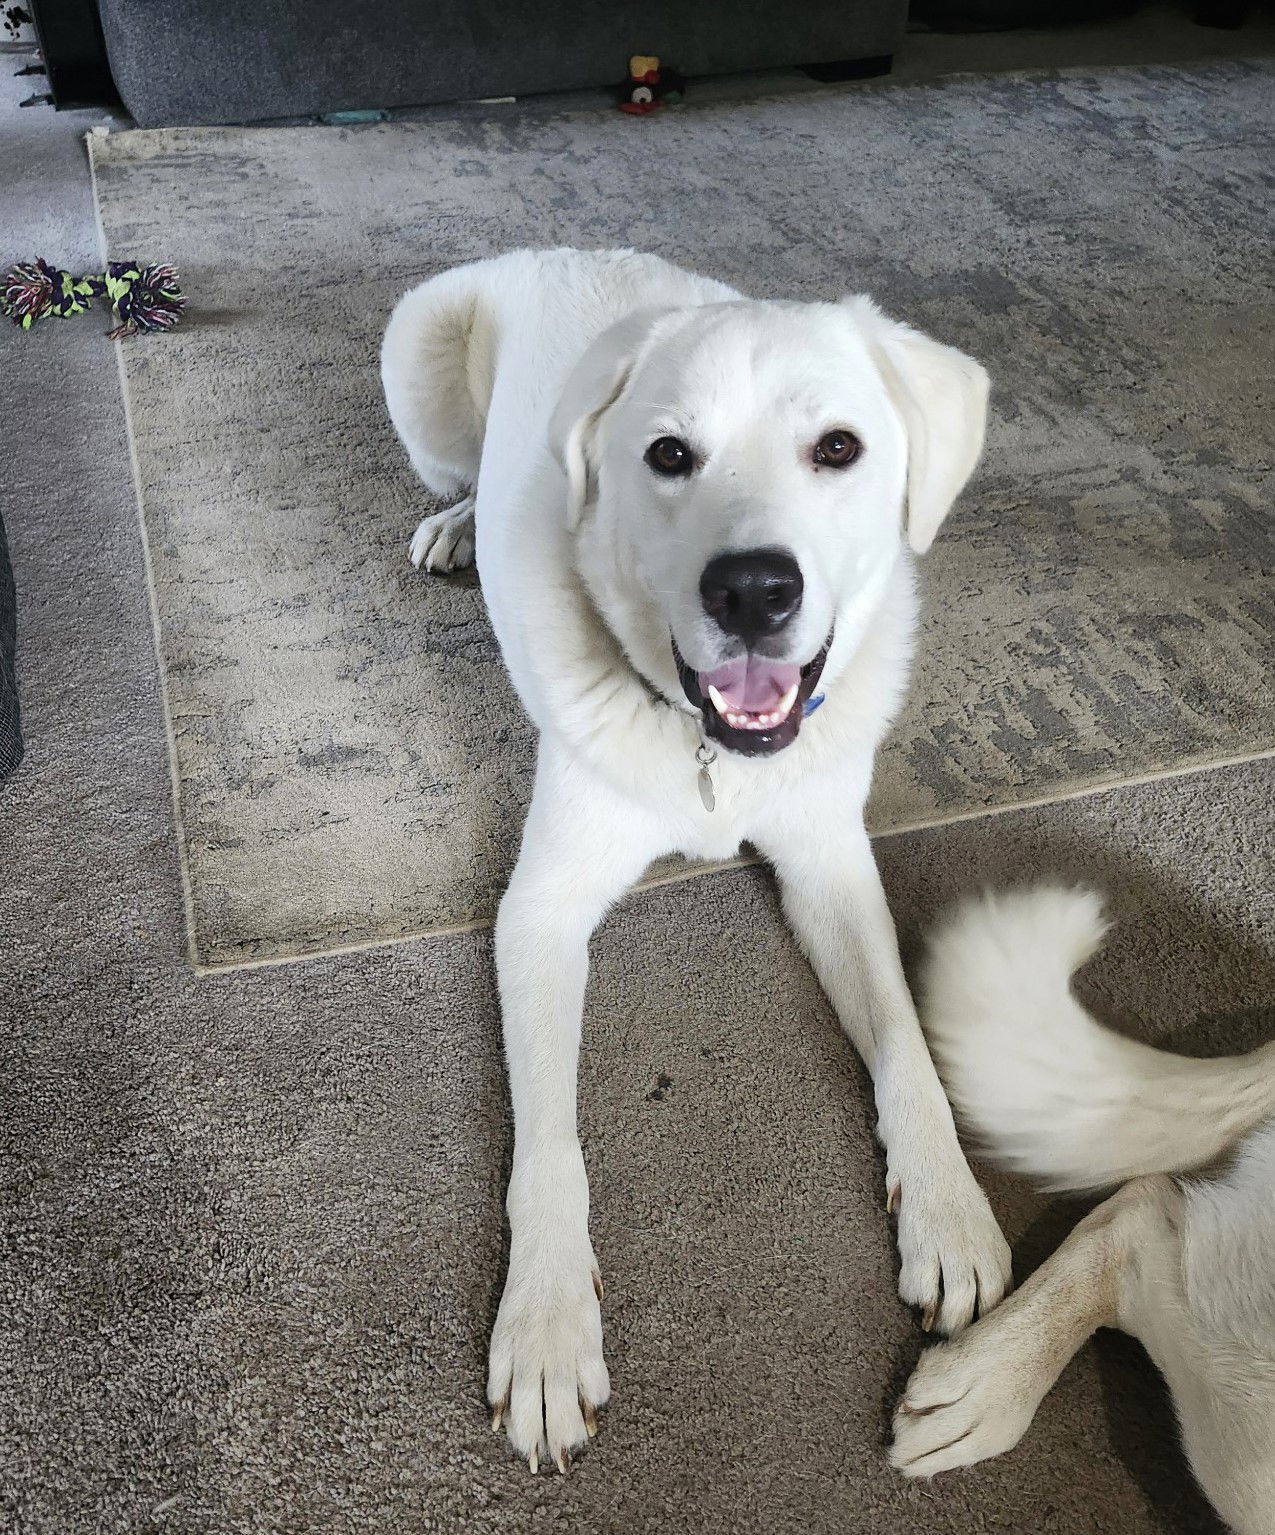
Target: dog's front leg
954, 1259
582, 848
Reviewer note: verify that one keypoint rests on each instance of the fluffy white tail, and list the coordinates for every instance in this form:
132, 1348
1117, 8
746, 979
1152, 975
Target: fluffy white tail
1045, 1088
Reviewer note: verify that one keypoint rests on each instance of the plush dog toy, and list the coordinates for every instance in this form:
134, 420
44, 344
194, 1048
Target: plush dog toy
649, 86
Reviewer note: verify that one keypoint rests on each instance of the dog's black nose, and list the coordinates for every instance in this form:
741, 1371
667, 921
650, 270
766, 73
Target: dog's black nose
752, 594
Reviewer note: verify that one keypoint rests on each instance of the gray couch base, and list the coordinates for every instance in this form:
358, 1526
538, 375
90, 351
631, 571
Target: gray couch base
200, 61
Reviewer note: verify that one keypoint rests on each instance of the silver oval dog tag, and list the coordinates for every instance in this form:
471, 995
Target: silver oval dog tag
706, 756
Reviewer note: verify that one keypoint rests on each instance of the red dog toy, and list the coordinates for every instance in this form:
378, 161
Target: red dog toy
649, 86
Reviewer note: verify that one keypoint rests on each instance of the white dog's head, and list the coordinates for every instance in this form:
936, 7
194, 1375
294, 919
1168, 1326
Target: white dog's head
740, 478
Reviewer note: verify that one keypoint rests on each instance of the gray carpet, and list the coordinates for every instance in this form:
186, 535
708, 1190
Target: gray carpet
350, 763
250, 1228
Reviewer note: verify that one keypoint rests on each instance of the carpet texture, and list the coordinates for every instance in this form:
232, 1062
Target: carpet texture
350, 765
10, 710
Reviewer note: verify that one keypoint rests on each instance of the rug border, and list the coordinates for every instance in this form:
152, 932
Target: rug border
93, 138
1188, 769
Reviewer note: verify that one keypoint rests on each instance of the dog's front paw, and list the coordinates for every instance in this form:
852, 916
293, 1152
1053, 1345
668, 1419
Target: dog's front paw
445, 541
547, 1377
968, 1400
954, 1262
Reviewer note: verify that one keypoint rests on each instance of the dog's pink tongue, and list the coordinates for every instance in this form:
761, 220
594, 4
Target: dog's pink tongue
751, 685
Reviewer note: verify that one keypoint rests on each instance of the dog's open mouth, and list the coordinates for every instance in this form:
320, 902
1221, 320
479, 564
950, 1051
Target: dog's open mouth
752, 705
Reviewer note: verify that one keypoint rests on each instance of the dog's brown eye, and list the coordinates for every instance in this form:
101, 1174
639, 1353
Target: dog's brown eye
837, 449
670, 456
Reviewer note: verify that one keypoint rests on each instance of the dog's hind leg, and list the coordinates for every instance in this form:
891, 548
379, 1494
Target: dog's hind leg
976, 1396
437, 361
1217, 1349
445, 540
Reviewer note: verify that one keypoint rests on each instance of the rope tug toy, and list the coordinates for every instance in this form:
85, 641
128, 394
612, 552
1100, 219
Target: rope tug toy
142, 298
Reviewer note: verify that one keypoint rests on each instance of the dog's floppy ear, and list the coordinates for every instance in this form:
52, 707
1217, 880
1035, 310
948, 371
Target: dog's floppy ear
595, 383
941, 396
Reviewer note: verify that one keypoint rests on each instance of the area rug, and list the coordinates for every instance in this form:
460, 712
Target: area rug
349, 764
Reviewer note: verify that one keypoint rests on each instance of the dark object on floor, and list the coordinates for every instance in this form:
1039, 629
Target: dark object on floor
14, 18
849, 69
649, 85
1005, 15
227, 61
1229, 15
10, 717
74, 52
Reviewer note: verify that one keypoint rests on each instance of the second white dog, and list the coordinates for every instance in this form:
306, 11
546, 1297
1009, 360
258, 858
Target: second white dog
1185, 1265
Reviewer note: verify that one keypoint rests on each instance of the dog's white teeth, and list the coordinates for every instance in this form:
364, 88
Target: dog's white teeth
740, 719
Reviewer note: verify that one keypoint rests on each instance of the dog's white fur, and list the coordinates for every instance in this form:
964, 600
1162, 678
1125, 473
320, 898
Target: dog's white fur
1185, 1265
537, 380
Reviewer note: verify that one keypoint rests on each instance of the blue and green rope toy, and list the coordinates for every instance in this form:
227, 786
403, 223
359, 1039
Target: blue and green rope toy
143, 298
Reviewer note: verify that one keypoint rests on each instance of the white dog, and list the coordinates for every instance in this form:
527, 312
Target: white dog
691, 513
1186, 1266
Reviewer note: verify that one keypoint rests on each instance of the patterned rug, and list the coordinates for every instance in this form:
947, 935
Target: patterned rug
349, 763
